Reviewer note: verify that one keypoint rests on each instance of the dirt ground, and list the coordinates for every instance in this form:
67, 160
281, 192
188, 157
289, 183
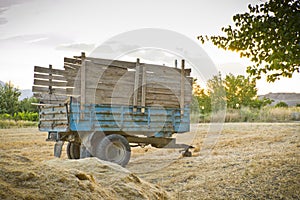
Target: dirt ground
245, 161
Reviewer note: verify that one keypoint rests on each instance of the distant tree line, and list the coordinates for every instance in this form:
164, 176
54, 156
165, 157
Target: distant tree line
12, 108
231, 92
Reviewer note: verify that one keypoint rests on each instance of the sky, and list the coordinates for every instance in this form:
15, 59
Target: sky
42, 32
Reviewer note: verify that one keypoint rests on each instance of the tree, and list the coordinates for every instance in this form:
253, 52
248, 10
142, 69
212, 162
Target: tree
216, 91
26, 106
242, 91
234, 92
201, 101
281, 104
269, 35
9, 99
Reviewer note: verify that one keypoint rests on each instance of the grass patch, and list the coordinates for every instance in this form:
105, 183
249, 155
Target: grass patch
246, 114
5, 124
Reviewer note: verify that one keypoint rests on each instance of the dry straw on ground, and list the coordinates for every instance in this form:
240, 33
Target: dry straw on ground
249, 161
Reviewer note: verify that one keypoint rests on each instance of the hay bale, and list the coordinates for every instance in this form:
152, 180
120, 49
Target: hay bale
89, 178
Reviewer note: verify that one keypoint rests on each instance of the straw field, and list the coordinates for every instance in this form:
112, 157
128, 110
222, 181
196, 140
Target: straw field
245, 161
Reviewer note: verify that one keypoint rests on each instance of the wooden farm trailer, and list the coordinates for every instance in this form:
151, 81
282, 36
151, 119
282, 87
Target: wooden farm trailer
103, 107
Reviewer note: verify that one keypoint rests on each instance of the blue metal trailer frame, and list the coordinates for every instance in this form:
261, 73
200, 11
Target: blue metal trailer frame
157, 122
153, 122
154, 126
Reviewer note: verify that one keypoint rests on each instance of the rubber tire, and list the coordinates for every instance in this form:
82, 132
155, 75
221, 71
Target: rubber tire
73, 150
114, 148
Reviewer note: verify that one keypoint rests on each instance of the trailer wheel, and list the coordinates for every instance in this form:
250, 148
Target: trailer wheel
73, 150
114, 148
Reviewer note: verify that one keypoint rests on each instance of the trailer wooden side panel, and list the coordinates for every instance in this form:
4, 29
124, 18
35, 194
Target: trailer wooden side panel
113, 82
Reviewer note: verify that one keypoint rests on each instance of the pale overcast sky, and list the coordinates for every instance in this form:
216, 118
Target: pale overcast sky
42, 32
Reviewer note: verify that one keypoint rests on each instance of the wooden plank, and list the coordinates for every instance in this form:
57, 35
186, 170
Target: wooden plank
95, 99
128, 77
175, 79
50, 97
182, 88
96, 82
116, 63
53, 119
105, 74
38, 89
47, 77
50, 80
82, 84
170, 98
110, 74
69, 68
54, 124
47, 101
136, 83
161, 69
162, 91
49, 71
104, 95
72, 60
166, 96
162, 103
73, 66
107, 96
54, 112
144, 82
95, 68
99, 95
172, 80
129, 65
173, 88
49, 83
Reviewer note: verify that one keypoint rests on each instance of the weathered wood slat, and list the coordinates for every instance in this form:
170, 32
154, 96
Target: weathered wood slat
182, 87
49, 71
47, 77
128, 89
160, 69
50, 102
53, 124
49, 83
168, 80
103, 92
82, 84
72, 60
54, 119
156, 88
136, 83
144, 81
162, 103
69, 68
46, 90
71, 65
51, 97
113, 101
116, 63
53, 112
162, 91
106, 81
